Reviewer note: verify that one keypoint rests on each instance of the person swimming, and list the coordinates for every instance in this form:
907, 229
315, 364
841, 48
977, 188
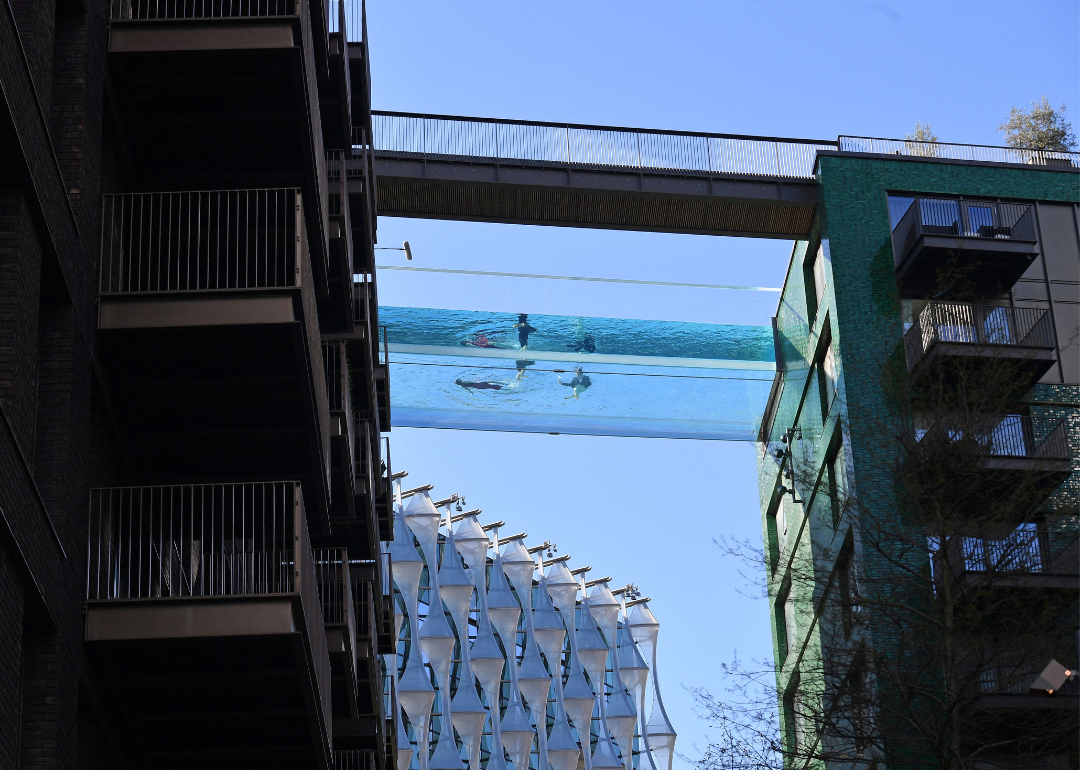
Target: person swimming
580, 383
481, 385
522, 365
480, 340
524, 330
587, 345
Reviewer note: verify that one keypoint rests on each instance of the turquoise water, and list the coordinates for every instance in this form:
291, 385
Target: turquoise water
467, 370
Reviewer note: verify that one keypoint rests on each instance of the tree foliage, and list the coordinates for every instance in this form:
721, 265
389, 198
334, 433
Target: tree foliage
1041, 128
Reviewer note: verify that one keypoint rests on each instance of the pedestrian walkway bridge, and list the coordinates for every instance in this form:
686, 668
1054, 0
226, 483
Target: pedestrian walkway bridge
513, 171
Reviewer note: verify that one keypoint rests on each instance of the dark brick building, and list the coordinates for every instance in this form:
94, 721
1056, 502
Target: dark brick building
194, 484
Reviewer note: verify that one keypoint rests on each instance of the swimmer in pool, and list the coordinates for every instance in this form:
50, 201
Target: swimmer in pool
580, 382
524, 330
480, 340
522, 365
587, 345
478, 385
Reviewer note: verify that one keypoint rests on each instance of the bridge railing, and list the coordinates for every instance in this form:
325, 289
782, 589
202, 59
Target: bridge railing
948, 151
523, 142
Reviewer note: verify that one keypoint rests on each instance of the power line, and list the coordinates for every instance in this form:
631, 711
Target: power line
575, 278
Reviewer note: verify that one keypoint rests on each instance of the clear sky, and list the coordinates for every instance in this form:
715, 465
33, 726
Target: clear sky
646, 510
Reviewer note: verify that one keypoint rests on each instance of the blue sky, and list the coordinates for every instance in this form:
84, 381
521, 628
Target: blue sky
646, 510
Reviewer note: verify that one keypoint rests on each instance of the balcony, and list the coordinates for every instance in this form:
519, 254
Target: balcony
364, 728
1021, 559
335, 96
218, 94
339, 617
947, 247
1002, 346
203, 613
1015, 456
337, 315
343, 481
209, 336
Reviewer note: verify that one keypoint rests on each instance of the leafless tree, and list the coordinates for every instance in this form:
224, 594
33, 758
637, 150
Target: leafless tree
934, 612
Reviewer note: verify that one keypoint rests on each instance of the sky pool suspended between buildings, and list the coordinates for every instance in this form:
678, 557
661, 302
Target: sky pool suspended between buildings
563, 374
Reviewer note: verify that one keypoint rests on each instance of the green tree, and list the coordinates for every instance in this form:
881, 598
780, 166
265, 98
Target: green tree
1040, 128
923, 141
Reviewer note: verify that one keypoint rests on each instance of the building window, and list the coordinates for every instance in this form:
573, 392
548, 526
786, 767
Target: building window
794, 717
847, 583
834, 480
819, 275
828, 369
790, 629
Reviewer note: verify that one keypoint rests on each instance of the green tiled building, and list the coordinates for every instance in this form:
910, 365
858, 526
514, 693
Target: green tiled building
919, 265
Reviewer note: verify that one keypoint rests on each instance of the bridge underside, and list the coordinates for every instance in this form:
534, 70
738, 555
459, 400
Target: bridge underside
483, 190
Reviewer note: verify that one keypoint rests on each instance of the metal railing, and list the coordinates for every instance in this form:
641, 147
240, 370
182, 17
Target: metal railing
951, 151
977, 325
566, 144
963, 218
1023, 550
202, 240
336, 591
122, 10
363, 608
348, 15
354, 759
207, 540
1011, 435
199, 540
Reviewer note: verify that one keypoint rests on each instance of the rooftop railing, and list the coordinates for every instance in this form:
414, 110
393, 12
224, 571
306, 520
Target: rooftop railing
950, 151
207, 540
1011, 435
120, 10
963, 218
945, 322
525, 142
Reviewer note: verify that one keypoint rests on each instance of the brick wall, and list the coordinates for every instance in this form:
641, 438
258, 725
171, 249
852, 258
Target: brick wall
20, 276
11, 633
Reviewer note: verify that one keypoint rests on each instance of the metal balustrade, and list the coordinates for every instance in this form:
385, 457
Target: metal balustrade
1012, 435
525, 142
336, 590
354, 759
207, 540
953, 322
1023, 550
952, 217
123, 10
951, 151
202, 240
347, 15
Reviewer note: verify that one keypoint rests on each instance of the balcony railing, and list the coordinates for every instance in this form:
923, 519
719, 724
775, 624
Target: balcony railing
949, 151
1013, 435
202, 241
207, 540
354, 759
336, 590
526, 142
963, 218
348, 14
1022, 550
121, 10
942, 322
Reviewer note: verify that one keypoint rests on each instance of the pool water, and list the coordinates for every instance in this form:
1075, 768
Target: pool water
600, 376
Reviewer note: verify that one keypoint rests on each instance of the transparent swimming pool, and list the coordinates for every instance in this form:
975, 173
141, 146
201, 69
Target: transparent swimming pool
564, 374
